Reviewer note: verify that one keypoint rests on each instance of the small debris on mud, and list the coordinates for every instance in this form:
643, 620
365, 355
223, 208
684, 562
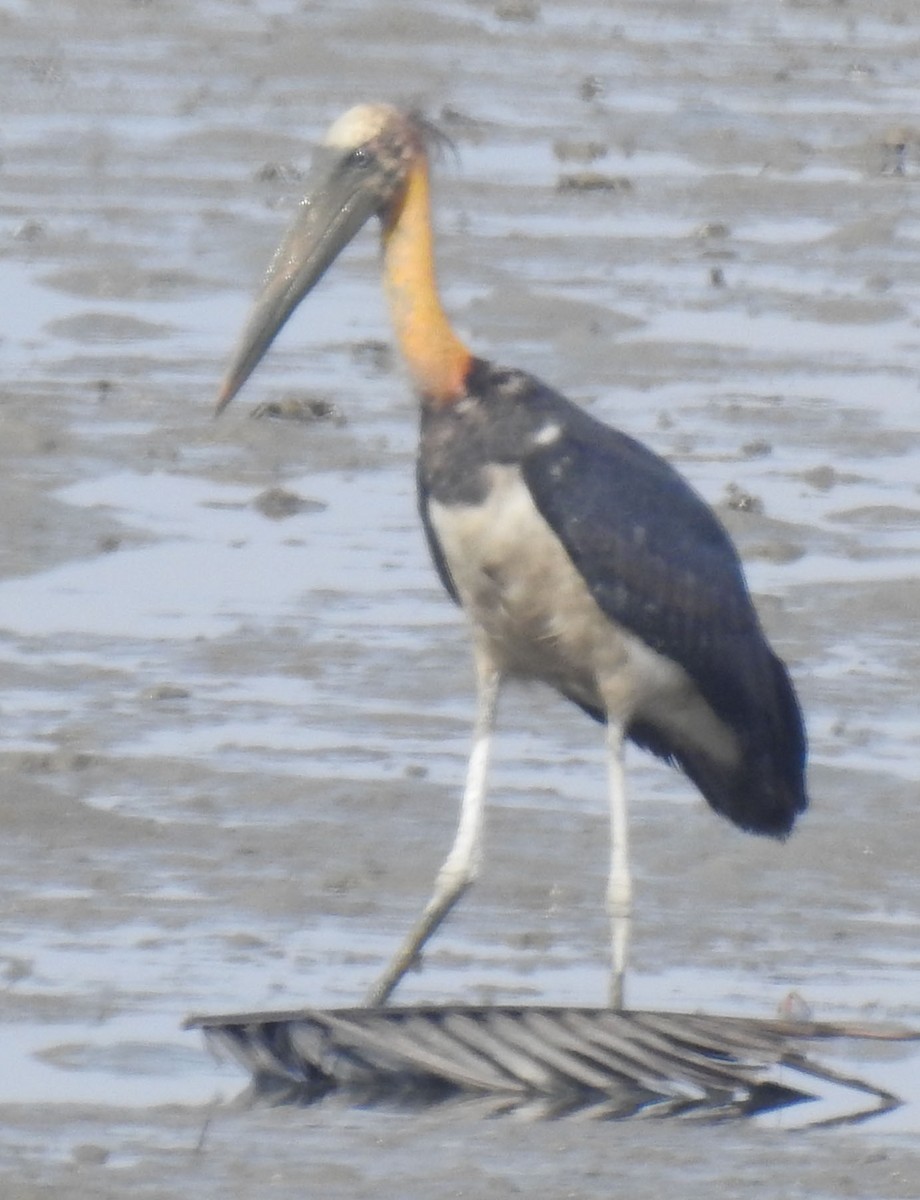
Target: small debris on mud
737, 499
299, 408
897, 142
161, 692
277, 503
570, 150
757, 448
517, 10
372, 353
711, 231
591, 87
273, 172
593, 181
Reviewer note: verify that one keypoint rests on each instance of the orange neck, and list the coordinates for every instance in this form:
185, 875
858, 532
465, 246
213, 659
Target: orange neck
438, 361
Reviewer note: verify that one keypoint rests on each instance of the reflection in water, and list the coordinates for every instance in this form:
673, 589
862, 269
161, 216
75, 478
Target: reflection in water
550, 1062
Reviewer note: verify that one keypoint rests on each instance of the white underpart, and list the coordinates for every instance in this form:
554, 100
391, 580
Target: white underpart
533, 616
359, 125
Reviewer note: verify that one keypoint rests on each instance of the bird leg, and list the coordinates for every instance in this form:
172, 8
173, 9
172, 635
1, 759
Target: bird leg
462, 863
619, 885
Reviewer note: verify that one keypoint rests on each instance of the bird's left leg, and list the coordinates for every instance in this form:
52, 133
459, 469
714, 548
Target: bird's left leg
462, 863
619, 885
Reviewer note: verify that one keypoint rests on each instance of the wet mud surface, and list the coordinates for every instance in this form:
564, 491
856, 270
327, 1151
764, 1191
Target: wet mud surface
234, 703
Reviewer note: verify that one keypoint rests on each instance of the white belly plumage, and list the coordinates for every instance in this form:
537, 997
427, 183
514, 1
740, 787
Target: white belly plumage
534, 616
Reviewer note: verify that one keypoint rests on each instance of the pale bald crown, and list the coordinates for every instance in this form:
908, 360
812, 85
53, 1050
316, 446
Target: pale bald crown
362, 124
391, 140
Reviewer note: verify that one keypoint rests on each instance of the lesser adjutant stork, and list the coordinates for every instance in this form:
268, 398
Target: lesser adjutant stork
581, 558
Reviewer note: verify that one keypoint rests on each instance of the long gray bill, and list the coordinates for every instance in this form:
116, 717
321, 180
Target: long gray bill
333, 211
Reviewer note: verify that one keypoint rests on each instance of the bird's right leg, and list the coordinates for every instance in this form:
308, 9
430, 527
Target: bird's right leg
462, 863
619, 886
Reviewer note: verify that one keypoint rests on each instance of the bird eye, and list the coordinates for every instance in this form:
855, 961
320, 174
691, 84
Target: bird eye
360, 158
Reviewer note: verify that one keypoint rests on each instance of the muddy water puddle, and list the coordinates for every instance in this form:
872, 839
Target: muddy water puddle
233, 739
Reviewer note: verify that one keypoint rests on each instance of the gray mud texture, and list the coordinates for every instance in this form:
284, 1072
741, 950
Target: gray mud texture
234, 702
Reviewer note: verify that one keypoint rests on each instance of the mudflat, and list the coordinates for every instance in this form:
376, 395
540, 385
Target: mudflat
235, 704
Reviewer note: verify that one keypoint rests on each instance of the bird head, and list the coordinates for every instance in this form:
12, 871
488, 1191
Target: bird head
360, 170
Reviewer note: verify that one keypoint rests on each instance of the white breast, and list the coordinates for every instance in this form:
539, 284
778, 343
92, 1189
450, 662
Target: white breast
532, 610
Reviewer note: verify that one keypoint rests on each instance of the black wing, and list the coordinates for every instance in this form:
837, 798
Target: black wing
653, 554
434, 546
658, 562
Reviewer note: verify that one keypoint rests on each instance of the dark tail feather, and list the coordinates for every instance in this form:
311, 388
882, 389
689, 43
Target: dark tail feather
764, 796
766, 792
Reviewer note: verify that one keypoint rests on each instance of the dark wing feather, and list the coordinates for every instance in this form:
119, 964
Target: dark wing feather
434, 546
654, 556
659, 563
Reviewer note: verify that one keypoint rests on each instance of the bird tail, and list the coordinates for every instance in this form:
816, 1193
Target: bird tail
765, 792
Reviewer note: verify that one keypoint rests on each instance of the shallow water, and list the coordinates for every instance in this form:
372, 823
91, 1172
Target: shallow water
233, 744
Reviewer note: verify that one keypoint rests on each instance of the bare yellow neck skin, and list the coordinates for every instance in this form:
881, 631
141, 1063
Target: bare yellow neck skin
438, 361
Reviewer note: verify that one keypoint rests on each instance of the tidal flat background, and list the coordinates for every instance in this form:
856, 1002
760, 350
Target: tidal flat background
234, 702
